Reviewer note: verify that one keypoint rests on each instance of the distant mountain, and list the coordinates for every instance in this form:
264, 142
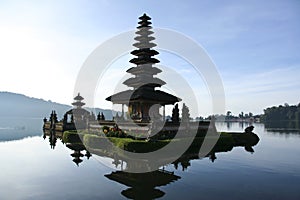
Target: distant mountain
19, 105
21, 116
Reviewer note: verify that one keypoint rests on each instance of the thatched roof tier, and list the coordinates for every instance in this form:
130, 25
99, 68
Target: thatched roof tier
148, 70
78, 97
143, 95
144, 80
143, 180
146, 51
144, 17
143, 60
78, 104
78, 111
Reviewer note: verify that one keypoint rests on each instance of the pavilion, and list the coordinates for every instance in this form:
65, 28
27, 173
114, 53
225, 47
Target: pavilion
77, 117
144, 94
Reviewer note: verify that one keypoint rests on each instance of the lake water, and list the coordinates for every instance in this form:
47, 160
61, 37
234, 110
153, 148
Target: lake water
32, 169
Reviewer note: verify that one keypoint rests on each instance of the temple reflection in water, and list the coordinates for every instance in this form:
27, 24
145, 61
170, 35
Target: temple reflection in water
143, 185
140, 185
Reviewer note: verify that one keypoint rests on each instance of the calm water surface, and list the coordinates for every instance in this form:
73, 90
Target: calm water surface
31, 169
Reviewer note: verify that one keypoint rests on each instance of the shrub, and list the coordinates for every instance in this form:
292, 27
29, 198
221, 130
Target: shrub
71, 137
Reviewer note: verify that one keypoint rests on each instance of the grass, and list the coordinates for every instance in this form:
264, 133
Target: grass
225, 141
128, 144
72, 137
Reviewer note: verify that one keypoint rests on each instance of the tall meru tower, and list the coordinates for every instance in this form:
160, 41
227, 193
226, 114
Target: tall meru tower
143, 94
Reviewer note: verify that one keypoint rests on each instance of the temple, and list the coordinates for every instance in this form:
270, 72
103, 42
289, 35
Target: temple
144, 94
143, 98
77, 117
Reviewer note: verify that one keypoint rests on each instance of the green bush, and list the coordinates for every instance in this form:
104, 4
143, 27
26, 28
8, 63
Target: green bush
72, 137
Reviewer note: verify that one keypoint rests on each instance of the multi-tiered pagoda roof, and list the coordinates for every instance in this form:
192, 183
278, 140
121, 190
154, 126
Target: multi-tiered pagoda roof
78, 101
144, 70
144, 81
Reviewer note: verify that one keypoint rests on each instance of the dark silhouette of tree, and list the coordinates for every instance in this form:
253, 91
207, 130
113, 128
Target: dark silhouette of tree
200, 118
228, 113
241, 116
250, 114
287, 116
175, 114
100, 116
286, 105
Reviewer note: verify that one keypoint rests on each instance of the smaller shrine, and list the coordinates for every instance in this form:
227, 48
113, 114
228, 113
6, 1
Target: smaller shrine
75, 118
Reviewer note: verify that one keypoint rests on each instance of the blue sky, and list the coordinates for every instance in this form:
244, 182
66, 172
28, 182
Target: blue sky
254, 44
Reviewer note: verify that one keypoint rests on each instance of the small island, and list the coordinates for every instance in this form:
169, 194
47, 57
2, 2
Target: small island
141, 128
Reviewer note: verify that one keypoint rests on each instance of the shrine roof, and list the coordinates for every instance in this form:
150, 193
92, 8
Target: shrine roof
143, 95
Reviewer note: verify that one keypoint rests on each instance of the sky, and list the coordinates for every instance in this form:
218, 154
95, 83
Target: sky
254, 45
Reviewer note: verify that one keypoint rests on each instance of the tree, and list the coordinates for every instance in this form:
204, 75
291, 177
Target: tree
185, 113
175, 114
298, 117
99, 117
200, 118
286, 105
282, 116
241, 115
228, 113
250, 114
